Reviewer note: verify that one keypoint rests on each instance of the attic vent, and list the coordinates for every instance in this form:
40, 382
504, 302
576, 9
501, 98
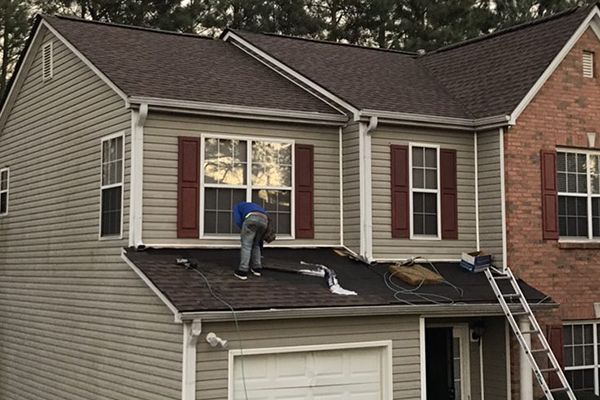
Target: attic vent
47, 61
588, 64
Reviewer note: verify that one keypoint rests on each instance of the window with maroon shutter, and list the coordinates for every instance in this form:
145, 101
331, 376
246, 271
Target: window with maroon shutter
188, 197
304, 182
448, 185
580, 341
400, 191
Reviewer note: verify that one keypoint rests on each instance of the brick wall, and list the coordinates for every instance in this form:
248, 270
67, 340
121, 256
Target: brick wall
566, 108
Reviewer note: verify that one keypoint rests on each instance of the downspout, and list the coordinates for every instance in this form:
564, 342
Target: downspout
191, 332
476, 156
138, 119
341, 161
503, 201
366, 194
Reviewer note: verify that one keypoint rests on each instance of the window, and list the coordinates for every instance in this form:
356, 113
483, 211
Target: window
581, 348
111, 213
47, 61
578, 194
4, 176
424, 183
237, 170
588, 64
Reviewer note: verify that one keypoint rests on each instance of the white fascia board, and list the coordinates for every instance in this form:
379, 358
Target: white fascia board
289, 72
147, 281
229, 110
87, 62
427, 310
392, 117
553, 65
19, 75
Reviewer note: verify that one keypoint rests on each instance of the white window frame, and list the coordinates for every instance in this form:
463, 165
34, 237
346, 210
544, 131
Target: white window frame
51, 60
248, 187
589, 195
7, 190
386, 347
596, 366
417, 190
121, 184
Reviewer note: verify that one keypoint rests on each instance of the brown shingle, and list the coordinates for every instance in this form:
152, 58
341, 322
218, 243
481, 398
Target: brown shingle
151, 63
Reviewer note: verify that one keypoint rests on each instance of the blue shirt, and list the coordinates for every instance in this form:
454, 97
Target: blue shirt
241, 209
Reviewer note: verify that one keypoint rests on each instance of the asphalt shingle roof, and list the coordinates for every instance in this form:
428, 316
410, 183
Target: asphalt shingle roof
151, 63
491, 75
187, 289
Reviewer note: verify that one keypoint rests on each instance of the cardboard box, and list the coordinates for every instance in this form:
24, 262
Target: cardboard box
476, 261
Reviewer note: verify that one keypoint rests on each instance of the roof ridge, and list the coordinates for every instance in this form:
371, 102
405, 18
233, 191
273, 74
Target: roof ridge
410, 53
125, 26
513, 28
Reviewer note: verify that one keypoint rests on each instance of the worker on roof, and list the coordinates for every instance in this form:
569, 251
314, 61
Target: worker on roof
256, 227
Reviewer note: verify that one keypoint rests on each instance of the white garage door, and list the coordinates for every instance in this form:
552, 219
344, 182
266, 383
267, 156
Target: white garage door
352, 373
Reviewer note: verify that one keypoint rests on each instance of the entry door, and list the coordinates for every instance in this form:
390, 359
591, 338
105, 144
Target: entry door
439, 364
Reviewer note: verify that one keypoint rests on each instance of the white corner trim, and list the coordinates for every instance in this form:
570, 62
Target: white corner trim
553, 65
422, 358
503, 200
191, 332
136, 198
87, 62
365, 187
476, 157
341, 177
272, 61
153, 287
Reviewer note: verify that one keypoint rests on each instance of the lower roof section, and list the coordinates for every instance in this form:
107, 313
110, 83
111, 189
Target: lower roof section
281, 287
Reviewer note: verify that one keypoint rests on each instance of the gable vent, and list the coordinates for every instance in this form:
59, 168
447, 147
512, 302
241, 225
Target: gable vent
47, 61
588, 64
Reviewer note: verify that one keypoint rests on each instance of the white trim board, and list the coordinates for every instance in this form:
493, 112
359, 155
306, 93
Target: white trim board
147, 281
556, 62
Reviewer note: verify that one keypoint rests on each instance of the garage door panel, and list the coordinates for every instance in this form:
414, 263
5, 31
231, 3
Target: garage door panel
355, 374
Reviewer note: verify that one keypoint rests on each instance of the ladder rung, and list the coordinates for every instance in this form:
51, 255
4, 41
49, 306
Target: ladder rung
562, 389
540, 351
548, 369
530, 332
501, 277
511, 295
521, 313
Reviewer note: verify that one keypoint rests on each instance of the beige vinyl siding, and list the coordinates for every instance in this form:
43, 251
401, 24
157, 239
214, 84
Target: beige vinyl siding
212, 363
351, 173
75, 321
494, 355
386, 247
160, 173
490, 196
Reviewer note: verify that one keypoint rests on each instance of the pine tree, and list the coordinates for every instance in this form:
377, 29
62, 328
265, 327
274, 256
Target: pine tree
14, 27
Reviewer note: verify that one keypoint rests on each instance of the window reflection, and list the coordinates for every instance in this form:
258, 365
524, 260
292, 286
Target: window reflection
271, 164
225, 161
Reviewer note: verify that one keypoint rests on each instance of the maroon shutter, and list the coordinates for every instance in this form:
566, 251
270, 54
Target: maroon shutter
549, 195
400, 191
554, 334
304, 182
448, 193
188, 193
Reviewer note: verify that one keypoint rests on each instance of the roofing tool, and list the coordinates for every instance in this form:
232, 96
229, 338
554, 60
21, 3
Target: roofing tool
329, 276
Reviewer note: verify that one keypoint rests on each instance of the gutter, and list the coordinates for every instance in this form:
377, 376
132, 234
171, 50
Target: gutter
427, 310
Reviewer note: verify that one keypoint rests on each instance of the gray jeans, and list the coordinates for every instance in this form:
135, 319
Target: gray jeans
253, 230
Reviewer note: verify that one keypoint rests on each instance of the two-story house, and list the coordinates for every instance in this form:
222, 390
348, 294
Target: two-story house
123, 150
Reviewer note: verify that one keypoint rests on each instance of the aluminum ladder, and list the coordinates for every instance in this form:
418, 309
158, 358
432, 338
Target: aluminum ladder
521, 308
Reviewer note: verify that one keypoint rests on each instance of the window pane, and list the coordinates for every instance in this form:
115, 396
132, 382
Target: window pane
581, 380
425, 214
218, 205
561, 162
417, 156
572, 216
594, 174
112, 161
225, 161
4, 180
562, 182
577, 334
431, 179
271, 164
596, 216
431, 158
278, 204
568, 334
418, 178
111, 211
3, 203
